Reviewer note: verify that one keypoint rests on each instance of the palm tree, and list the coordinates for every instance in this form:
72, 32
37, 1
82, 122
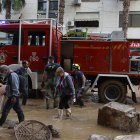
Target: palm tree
7, 5
126, 6
61, 11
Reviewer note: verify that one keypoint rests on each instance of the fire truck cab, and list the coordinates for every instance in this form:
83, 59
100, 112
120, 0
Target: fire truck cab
32, 40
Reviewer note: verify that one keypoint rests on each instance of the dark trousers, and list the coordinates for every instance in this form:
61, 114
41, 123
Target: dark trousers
64, 102
8, 106
24, 97
79, 97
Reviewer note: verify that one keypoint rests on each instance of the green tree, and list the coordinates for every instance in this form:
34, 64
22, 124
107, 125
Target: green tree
126, 6
7, 6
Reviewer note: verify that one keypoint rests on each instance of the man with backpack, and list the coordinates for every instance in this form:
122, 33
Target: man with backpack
12, 93
22, 71
49, 82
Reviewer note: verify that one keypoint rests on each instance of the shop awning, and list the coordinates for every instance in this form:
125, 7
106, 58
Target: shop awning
86, 16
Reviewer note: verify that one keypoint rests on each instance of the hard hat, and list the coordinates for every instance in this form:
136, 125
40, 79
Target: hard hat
76, 66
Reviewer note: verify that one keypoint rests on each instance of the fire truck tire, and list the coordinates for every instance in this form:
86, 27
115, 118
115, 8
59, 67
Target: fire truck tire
112, 90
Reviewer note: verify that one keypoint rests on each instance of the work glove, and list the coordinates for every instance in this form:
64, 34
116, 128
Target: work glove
43, 84
82, 88
13, 99
74, 100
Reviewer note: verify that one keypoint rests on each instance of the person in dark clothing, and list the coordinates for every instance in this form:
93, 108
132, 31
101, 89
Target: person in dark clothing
49, 82
23, 71
12, 93
65, 89
79, 83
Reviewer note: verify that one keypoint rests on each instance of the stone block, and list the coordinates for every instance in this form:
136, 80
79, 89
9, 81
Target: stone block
119, 116
128, 137
98, 137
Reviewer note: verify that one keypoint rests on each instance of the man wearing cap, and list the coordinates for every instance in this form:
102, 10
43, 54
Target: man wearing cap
12, 92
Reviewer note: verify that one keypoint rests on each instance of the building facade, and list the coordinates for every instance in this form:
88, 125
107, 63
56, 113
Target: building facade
101, 16
95, 16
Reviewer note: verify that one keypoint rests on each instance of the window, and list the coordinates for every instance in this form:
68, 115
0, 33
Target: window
36, 38
53, 5
11, 38
133, 21
42, 4
87, 23
53, 15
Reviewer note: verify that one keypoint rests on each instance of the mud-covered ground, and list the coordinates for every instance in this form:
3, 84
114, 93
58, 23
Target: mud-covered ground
82, 124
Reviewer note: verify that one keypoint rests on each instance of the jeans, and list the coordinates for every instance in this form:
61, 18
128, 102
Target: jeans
8, 106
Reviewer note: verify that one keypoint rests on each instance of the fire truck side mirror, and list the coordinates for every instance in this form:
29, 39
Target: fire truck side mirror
2, 44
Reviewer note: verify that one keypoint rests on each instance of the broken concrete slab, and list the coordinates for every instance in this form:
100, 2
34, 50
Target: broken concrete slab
120, 116
98, 137
127, 137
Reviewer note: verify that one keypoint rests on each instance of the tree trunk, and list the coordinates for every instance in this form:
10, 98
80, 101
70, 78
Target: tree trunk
126, 6
8, 9
61, 11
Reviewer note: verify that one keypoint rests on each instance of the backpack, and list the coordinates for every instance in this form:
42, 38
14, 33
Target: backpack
22, 83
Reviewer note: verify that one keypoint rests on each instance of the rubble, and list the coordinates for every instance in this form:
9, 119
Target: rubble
127, 137
98, 137
120, 116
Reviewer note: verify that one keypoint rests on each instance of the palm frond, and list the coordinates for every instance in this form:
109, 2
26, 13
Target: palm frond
19, 4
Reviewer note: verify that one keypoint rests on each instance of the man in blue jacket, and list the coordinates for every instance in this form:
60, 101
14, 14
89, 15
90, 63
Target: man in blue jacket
23, 72
12, 92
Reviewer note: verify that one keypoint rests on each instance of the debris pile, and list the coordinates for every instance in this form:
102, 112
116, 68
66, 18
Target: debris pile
120, 116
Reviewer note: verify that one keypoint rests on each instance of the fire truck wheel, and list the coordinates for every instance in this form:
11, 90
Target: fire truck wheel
112, 90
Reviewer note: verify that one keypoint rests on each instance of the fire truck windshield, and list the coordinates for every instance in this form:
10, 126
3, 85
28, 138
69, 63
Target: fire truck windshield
10, 37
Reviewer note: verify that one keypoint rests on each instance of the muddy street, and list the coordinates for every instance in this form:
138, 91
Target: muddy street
82, 123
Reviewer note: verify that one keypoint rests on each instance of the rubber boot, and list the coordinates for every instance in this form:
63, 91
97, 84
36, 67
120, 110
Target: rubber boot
68, 113
60, 114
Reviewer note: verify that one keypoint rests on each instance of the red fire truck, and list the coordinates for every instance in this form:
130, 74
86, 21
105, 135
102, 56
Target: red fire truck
106, 62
